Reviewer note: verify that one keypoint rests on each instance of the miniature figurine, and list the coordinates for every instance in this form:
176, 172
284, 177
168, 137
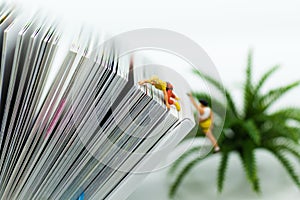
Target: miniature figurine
167, 89
206, 120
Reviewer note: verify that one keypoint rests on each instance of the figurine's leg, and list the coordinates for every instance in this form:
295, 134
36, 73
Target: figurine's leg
166, 98
170, 101
213, 140
177, 105
172, 94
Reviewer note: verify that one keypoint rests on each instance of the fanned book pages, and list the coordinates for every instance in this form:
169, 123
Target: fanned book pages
80, 126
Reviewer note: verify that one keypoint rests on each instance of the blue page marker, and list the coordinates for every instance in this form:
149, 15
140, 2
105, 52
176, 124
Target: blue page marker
81, 197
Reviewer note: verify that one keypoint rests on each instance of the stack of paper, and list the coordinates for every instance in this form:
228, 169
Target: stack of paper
86, 134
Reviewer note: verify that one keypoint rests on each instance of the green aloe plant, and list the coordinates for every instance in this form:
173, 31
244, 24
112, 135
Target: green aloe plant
252, 127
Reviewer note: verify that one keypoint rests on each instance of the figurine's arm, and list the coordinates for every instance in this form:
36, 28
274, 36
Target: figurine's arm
193, 101
212, 119
200, 110
166, 99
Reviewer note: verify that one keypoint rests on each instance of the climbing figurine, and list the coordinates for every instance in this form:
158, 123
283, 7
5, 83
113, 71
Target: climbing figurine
167, 89
205, 120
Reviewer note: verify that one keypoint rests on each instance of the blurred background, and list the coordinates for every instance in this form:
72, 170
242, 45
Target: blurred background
226, 30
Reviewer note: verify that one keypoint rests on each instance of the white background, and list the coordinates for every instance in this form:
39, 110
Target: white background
226, 30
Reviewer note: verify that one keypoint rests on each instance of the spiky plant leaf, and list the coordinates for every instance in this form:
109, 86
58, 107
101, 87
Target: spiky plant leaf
249, 69
290, 149
287, 113
185, 155
249, 163
222, 171
182, 174
287, 164
252, 131
220, 87
264, 78
294, 133
282, 131
215, 83
273, 95
248, 87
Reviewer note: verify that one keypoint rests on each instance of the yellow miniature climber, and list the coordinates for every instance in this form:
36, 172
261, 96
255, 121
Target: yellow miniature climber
167, 89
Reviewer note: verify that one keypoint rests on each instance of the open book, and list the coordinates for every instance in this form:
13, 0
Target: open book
91, 130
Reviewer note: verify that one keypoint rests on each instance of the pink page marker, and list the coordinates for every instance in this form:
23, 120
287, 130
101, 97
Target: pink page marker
56, 117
